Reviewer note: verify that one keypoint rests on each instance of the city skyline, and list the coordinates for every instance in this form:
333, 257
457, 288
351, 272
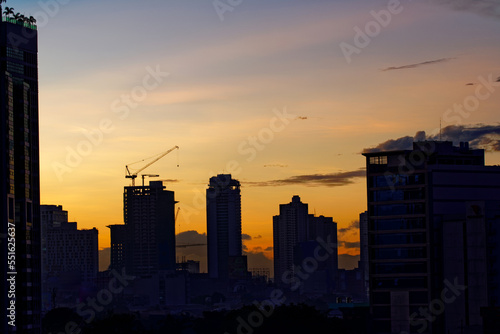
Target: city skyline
227, 78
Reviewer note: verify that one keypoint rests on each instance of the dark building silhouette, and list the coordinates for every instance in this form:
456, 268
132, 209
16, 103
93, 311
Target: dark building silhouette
19, 175
70, 260
433, 221
364, 265
298, 236
289, 228
149, 215
118, 239
224, 244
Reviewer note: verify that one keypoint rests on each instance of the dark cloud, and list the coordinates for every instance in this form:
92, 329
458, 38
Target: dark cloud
257, 259
353, 226
258, 237
489, 8
479, 136
302, 117
195, 253
498, 79
428, 62
348, 262
315, 180
245, 248
276, 165
347, 244
245, 236
268, 249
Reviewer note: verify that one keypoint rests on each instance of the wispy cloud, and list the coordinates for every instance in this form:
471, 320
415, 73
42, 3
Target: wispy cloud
489, 8
479, 136
428, 62
347, 244
354, 226
315, 180
276, 165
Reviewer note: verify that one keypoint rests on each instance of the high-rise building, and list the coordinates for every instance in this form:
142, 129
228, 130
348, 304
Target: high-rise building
289, 228
432, 218
297, 235
19, 178
364, 265
224, 227
70, 260
149, 216
118, 240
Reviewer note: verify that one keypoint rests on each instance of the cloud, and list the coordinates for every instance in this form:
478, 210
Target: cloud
354, 226
268, 249
490, 8
428, 62
276, 165
315, 180
195, 253
258, 237
347, 244
301, 117
479, 136
245, 236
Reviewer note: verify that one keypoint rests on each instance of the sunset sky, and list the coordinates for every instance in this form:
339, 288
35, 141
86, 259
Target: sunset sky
229, 79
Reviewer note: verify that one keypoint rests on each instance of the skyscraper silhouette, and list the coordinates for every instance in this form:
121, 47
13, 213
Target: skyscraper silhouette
433, 223
224, 226
297, 237
19, 176
149, 215
289, 228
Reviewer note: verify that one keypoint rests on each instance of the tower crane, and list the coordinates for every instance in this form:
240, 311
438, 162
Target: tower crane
133, 176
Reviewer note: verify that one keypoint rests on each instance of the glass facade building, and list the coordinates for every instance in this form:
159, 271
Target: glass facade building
19, 177
422, 237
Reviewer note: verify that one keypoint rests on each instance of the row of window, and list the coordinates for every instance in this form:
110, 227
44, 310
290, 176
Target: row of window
398, 239
397, 224
396, 180
398, 268
398, 209
398, 253
397, 195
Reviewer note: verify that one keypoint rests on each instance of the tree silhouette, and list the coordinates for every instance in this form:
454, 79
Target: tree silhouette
8, 11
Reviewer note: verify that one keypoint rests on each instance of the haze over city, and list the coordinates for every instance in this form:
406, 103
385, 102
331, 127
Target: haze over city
268, 91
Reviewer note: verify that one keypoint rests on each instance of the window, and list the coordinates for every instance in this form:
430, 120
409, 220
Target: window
379, 160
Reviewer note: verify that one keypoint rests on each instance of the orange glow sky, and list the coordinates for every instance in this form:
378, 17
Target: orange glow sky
226, 80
